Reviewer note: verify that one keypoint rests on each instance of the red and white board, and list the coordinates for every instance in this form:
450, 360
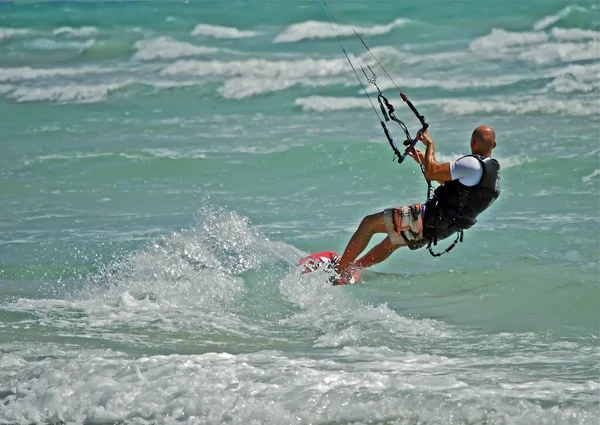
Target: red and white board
326, 260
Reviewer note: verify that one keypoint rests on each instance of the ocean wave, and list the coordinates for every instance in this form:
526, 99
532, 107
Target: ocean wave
562, 52
589, 178
6, 33
76, 156
558, 45
318, 29
28, 73
565, 79
270, 387
144, 154
259, 68
560, 16
575, 79
574, 34
244, 87
84, 31
330, 103
218, 31
69, 93
448, 84
499, 39
173, 154
520, 106
168, 48
50, 44
514, 105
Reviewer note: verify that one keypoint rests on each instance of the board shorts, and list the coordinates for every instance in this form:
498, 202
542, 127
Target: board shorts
404, 225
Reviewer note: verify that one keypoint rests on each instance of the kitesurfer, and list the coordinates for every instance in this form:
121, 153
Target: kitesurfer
469, 186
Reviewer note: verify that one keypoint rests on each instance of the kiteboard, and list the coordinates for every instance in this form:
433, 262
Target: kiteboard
327, 261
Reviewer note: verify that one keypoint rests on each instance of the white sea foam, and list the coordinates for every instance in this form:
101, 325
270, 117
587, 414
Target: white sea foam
218, 31
574, 78
499, 39
69, 93
328, 103
520, 106
63, 157
589, 178
574, 34
6, 33
259, 68
28, 73
570, 84
559, 45
448, 84
552, 19
562, 52
359, 385
50, 44
175, 154
319, 29
168, 48
243, 87
85, 31
466, 106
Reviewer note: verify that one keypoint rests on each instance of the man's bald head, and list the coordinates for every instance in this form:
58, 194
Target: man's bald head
483, 140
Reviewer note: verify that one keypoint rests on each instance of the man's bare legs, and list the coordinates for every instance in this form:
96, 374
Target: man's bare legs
368, 227
377, 254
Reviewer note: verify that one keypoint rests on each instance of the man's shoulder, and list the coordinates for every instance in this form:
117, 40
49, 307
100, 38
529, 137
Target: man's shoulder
470, 161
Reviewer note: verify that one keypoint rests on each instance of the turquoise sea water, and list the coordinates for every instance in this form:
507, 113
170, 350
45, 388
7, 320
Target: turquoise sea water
164, 166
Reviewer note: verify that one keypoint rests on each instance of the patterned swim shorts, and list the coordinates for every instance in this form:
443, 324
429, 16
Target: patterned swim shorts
404, 225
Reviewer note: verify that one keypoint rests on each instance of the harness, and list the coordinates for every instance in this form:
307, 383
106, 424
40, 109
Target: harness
388, 111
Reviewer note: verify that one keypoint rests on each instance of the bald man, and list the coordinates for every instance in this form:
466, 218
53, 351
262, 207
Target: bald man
468, 186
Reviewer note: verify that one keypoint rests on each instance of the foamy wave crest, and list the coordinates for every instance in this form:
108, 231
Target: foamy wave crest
76, 156
562, 52
317, 29
447, 84
521, 106
72, 93
6, 33
500, 39
243, 87
172, 154
259, 68
218, 31
552, 19
574, 34
167, 48
328, 103
49, 44
27, 73
575, 78
76, 32
559, 45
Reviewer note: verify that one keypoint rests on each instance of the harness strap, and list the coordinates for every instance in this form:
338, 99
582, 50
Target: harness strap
459, 238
